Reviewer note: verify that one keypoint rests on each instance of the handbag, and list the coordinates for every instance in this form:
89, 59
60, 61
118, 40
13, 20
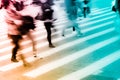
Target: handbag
113, 8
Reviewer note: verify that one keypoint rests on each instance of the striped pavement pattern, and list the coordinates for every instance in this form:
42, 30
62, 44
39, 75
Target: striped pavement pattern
74, 58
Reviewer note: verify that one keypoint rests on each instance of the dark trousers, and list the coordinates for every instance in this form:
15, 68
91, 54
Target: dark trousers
48, 26
15, 41
86, 10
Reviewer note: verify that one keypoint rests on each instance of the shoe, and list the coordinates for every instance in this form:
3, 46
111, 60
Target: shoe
54, 19
14, 60
34, 54
51, 46
80, 18
73, 28
63, 35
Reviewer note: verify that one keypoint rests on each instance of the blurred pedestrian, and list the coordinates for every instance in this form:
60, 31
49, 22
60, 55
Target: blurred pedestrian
86, 8
72, 15
117, 18
117, 6
47, 18
15, 22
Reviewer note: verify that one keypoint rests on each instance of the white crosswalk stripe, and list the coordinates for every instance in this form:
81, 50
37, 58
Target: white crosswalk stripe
45, 68
93, 67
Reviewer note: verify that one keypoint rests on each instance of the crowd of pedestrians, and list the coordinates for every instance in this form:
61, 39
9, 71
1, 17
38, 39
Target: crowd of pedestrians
20, 23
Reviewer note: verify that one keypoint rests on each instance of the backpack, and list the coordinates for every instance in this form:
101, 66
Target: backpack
47, 12
113, 8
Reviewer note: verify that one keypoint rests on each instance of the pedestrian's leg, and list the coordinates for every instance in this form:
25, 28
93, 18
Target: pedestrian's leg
16, 39
88, 10
25, 63
48, 29
65, 27
77, 29
33, 43
84, 12
14, 52
63, 31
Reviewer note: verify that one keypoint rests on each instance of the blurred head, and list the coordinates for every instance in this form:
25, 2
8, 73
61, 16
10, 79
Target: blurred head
5, 3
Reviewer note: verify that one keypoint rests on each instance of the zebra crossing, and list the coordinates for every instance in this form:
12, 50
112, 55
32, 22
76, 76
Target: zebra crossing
74, 58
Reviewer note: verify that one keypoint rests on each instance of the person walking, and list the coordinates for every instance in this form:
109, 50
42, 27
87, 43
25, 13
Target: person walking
47, 18
72, 15
15, 22
86, 7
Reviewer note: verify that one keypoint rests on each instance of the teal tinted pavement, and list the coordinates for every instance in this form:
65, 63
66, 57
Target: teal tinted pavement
93, 56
